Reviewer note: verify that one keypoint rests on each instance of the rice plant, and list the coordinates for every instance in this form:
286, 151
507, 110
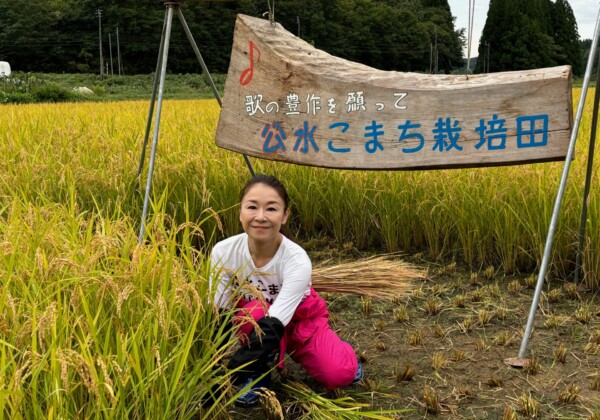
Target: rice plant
308, 404
113, 324
439, 331
366, 305
501, 312
531, 281
515, 287
569, 395
381, 346
560, 353
481, 345
432, 306
489, 272
571, 291
503, 338
431, 400
494, 382
458, 355
439, 361
583, 314
401, 314
528, 406
509, 414
416, 338
595, 337
484, 317
406, 373
467, 325
554, 295
477, 295
533, 366
460, 301
552, 322
270, 405
591, 348
595, 384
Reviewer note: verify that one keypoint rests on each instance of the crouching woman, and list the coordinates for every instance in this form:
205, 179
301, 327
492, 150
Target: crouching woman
289, 317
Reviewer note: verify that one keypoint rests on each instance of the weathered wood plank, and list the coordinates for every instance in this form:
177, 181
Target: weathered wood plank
285, 100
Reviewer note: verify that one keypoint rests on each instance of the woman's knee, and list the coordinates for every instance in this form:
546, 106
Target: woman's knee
330, 360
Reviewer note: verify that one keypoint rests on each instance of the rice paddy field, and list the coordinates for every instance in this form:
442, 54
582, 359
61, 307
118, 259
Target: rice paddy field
94, 325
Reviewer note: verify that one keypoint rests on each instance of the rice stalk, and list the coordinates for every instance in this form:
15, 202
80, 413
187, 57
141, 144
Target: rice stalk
316, 406
376, 276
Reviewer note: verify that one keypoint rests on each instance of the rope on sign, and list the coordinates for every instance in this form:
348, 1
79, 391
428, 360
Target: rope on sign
470, 32
271, 5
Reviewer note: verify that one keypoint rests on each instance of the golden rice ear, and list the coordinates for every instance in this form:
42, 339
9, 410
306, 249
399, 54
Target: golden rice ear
270, 405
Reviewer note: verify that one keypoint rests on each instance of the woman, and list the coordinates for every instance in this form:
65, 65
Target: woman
292, 317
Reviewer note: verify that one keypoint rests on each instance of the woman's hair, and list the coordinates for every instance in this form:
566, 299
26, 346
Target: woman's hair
274, 183
270, 181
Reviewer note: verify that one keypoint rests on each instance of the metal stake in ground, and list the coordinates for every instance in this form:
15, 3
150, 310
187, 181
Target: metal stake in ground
520, 360
588, 177
161, 88
158, 88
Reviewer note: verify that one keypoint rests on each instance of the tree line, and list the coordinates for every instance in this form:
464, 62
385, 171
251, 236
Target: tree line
402, 35
526, 34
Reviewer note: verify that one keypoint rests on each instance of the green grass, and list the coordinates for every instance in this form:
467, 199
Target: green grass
112, 88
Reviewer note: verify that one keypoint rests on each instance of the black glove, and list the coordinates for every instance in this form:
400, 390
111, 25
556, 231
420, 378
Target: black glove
260, 350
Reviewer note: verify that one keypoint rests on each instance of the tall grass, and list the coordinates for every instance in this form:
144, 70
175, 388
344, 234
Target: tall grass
92, 323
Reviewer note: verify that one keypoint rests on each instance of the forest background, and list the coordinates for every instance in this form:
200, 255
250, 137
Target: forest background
62, 36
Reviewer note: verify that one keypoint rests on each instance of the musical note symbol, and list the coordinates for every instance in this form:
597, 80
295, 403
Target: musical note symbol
246, 76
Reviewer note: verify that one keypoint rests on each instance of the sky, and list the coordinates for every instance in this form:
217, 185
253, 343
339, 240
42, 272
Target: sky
585, 11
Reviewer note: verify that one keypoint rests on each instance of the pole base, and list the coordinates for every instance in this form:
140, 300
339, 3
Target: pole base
516, 362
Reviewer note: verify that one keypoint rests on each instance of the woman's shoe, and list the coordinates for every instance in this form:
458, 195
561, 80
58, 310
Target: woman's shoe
251, 397
359, 374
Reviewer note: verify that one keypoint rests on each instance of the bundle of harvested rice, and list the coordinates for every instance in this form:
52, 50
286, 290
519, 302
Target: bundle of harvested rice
378, 276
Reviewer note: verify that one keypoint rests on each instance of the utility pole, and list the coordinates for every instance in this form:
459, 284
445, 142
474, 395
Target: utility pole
112, 73
298, 22
488, 58
99, 13
119, 54
435, 54
430, 57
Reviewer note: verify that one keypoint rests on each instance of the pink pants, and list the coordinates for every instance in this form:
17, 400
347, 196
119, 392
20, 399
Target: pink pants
309, 339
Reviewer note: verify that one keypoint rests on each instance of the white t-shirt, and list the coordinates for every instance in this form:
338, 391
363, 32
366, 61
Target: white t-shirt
284, 281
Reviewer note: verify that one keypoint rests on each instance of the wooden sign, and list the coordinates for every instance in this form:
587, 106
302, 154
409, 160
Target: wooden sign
285, 100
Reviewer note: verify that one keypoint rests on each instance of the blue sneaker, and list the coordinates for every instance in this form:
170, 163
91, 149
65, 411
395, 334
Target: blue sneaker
359, 374
251, 397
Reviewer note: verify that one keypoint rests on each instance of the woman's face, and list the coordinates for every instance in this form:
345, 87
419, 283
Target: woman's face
262, 213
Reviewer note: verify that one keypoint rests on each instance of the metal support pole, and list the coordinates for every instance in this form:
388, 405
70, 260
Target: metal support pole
207, 73
153, 99
161, 87
561, 189
588, 176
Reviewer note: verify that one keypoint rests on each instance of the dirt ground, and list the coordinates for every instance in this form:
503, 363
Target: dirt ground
440, 351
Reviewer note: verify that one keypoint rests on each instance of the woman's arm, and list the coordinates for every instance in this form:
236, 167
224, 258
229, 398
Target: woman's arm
297, 272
